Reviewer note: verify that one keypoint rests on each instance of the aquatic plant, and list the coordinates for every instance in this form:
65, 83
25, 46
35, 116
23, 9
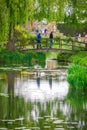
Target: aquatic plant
77, 76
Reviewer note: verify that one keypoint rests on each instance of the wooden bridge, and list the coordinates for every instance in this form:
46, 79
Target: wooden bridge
67, 45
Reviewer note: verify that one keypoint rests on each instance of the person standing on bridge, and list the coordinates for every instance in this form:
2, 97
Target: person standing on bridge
38, 39
51, 39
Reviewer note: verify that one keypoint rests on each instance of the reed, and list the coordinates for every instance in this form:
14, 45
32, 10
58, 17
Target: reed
77, 76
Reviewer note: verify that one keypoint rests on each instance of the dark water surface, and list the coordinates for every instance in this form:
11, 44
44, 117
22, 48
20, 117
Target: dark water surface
40, 101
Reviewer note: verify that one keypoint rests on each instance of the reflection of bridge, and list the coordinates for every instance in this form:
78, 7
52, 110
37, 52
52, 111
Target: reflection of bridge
67, 45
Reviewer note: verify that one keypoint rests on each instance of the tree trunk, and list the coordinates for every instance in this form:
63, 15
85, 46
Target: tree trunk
10, 45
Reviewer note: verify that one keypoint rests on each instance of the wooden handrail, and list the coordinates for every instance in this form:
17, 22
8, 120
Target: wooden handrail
59, 43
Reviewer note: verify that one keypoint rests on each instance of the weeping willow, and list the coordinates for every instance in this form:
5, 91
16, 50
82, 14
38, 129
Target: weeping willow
13, 13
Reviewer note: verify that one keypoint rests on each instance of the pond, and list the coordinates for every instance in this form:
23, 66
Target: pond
40, 100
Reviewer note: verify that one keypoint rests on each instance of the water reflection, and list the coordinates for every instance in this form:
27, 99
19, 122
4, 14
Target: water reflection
38, 80
10, 79
50, 81
40, 103
48, 90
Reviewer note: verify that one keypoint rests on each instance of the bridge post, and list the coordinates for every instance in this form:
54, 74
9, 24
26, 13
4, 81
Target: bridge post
73, 45
86, 46
60, 44
46, 42
33, 42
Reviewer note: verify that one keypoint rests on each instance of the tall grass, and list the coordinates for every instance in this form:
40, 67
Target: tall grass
77, 76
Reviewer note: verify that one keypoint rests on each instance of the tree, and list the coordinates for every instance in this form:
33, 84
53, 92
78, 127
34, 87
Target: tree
50, 9
13, 13
17, 12
77, 11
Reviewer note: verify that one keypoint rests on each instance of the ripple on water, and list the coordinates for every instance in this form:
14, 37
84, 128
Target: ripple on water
27, 129
3, 129
54, 118
59, 129
20, 128
47, 116
58, 121
74, 123
34, 128
47, 127
59, 126
70, 127
4, 95
40, 118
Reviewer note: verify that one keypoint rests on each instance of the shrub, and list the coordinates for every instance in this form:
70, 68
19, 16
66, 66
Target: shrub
77, 76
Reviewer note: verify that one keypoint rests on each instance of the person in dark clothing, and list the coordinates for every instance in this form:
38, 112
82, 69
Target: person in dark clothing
76, 36
51, 39
45, 31
38, 39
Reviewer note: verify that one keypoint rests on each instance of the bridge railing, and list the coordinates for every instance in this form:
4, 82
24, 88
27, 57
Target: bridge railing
58, 43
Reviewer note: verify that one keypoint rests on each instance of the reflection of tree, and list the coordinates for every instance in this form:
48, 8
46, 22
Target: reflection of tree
10, 77
77, 98
3, 96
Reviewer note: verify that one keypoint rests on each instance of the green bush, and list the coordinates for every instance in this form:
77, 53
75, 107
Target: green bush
17, 58
79, 58
77, 76
63, 57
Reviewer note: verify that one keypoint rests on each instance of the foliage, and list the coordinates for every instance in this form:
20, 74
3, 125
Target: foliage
14, 13
16, 58
51, 54
76, 12
77, 76
79, 58
76, 97
71, 29
21, 35
50, 9
77, 72
63, 57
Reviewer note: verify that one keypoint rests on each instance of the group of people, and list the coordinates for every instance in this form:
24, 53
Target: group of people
78, 37
38, 39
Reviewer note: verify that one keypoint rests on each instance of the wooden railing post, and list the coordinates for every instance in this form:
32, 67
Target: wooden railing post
73, 45
32, 42
47, 42
60, 43
86, 46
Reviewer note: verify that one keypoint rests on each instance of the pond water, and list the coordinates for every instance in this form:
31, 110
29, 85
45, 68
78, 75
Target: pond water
40, 101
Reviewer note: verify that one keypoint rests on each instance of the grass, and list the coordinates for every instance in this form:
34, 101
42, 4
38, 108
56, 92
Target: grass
77, 72
77, 76
79, 58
